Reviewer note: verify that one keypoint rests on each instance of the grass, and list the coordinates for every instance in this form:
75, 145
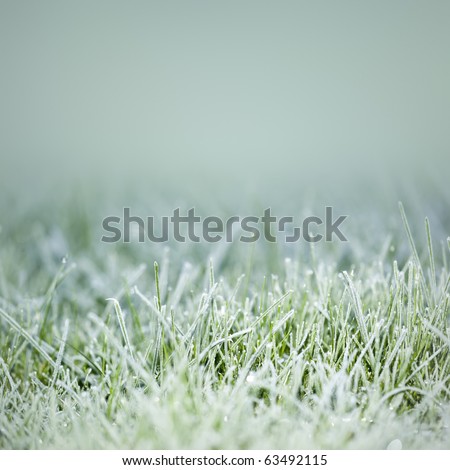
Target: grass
109, 349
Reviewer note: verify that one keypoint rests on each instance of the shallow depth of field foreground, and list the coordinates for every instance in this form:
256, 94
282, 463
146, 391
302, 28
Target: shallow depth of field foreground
239, 349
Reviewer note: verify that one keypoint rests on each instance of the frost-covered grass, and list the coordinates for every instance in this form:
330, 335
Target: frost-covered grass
106, 349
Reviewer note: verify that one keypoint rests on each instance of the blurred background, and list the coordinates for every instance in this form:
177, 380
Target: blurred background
226, 106
239, 100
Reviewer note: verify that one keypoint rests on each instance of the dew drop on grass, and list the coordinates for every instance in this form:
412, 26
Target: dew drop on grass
396, 444
250, 378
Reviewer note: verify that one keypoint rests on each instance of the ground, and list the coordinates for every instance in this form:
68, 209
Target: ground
214, 347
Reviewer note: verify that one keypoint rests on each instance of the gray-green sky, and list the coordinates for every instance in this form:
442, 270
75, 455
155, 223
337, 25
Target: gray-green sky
254, 88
